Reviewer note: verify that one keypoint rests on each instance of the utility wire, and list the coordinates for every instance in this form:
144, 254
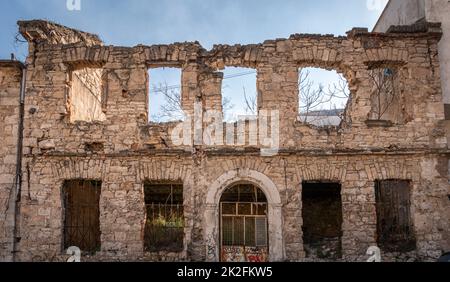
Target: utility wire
172, 87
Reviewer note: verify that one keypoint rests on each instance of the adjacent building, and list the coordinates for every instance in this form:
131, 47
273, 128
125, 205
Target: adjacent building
409, 12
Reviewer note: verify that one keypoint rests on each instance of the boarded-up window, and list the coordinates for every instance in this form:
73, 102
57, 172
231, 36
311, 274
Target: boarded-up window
164, 228
394, 224
82, 214
322, 220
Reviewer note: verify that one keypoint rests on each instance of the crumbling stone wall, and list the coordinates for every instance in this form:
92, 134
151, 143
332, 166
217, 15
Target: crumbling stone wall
124, 151
10, 80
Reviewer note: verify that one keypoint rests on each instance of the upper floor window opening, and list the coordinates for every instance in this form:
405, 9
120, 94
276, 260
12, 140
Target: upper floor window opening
385, 95
323, 96
165, 104
239, 94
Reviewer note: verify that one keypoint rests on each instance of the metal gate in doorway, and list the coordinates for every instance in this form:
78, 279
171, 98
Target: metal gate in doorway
243, 221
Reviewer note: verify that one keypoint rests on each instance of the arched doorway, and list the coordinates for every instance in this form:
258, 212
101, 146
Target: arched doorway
212, 212
243, 224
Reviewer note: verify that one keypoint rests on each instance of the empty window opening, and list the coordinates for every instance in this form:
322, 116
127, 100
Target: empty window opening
239, 94
244, 230
395, 232
385, 97
86, 99
164, 227
323, 97
322, 220
165, 104
82, 214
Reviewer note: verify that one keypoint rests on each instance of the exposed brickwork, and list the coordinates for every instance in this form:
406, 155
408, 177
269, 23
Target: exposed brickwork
131, 151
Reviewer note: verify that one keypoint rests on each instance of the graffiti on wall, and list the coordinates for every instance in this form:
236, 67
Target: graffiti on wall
255, 254
210, 248
233, 254
244, 254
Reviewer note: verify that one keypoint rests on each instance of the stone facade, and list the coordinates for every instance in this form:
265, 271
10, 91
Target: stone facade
123, 150
10, 81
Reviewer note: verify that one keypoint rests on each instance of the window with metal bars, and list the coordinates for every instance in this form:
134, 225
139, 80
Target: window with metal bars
244, 193
82, 214
164, 227
244, 217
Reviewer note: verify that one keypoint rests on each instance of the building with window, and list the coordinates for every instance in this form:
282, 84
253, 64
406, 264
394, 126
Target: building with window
81, 165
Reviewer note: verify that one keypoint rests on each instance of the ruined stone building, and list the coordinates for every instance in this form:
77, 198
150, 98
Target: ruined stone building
80, 164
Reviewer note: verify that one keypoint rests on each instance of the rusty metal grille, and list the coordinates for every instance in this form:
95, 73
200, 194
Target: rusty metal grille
246, 227
243, 224
394, 224
164, 228
82, 215
244, 193
261, 231
250, 231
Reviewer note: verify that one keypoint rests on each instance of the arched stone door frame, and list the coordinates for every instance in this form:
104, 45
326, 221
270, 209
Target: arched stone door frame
211, 217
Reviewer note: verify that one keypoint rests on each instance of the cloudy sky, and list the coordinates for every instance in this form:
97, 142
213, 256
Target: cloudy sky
131, 22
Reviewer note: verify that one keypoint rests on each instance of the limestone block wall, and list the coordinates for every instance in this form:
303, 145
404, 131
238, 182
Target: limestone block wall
126, 80
10, 80
124, 151
123, 212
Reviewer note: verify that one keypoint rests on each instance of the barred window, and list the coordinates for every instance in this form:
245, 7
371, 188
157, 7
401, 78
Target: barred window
244, 216
164, 228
